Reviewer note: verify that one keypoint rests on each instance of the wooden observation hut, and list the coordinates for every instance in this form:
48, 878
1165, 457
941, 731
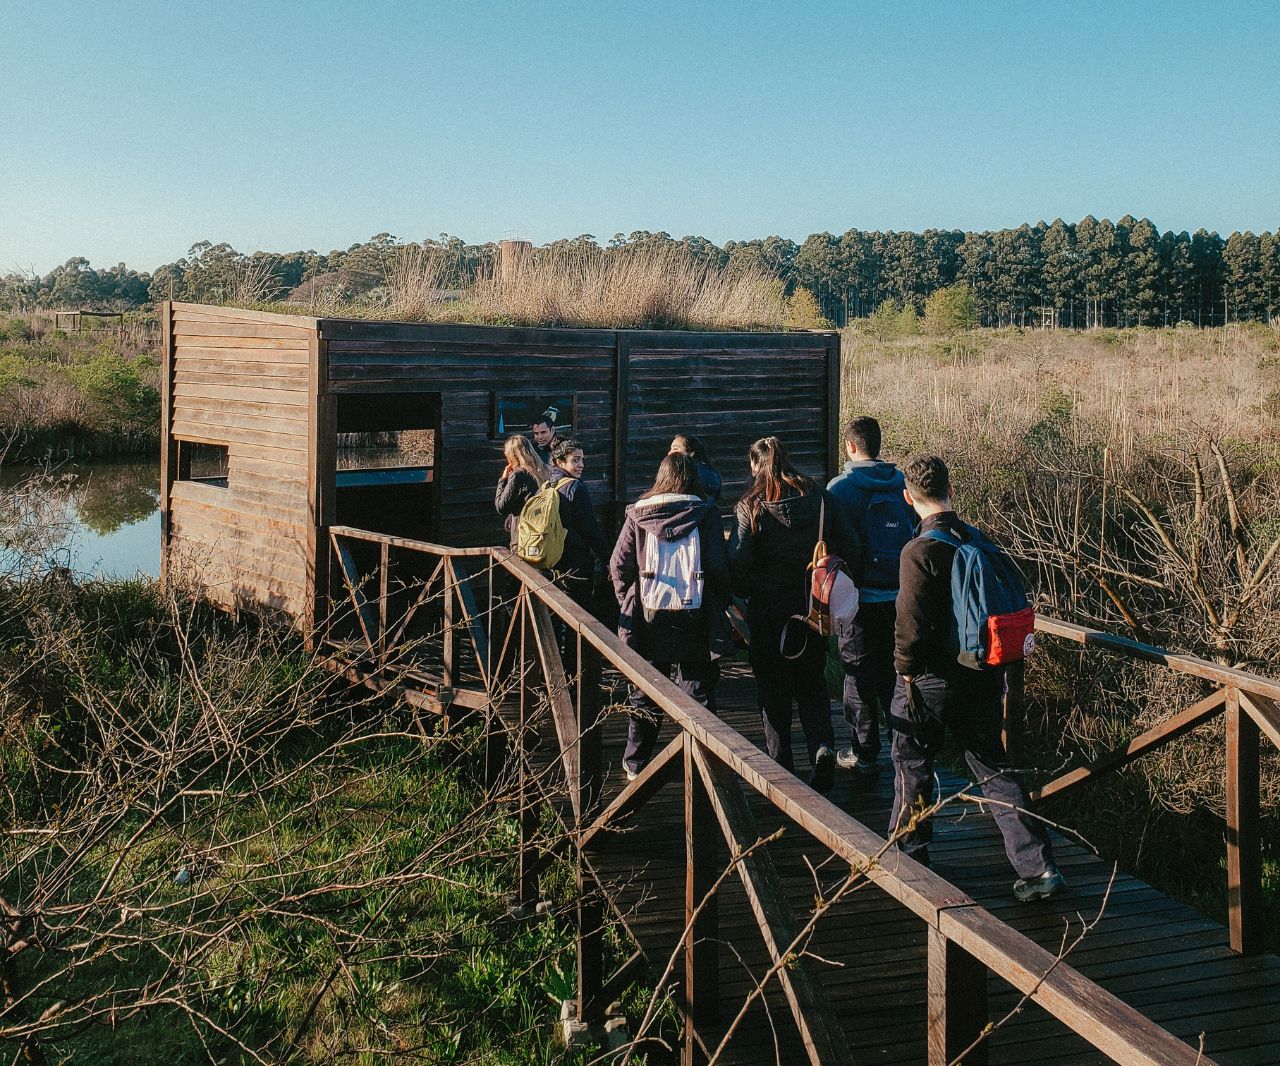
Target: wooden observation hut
278, 426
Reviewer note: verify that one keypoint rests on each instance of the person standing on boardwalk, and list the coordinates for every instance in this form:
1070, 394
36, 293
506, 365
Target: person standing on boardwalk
870, 492
708, 475
935, 694
544, 438
670, 572
584, 545
524, 475
778, 522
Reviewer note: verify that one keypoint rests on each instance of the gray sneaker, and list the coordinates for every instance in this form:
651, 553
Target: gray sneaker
848, 759
1046, 886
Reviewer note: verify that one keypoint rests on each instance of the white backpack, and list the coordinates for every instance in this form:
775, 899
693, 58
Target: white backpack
670, 572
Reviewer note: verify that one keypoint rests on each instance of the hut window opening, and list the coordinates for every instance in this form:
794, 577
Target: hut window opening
517, 412
386, 462
203, 462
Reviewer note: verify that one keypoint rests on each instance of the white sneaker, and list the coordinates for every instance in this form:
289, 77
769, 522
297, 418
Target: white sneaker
631, 774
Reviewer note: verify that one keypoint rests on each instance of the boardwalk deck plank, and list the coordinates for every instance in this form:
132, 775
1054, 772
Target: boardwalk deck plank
1160, 955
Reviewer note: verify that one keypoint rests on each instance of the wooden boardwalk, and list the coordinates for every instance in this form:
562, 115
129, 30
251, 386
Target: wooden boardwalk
1160, 956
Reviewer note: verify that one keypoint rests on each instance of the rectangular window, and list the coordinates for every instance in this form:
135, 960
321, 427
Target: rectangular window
517, 412
203, 462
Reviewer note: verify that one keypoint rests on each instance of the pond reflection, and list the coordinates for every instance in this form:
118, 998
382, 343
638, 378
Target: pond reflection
98, 519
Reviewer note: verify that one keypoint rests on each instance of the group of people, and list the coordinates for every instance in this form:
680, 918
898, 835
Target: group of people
896, 532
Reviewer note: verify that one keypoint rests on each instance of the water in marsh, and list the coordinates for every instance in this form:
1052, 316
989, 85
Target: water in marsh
96, 519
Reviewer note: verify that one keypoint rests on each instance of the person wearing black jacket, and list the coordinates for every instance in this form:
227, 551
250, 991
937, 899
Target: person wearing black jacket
777, 525
935, 693
523, 476
677, 642
584, 544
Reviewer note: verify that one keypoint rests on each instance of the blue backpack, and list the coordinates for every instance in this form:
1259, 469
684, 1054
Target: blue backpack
887, 525
994, 625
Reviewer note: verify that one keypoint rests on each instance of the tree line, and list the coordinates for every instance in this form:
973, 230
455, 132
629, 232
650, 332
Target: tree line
1089, 273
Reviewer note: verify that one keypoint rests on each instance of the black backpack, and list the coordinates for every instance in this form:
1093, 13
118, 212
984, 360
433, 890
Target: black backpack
887, 525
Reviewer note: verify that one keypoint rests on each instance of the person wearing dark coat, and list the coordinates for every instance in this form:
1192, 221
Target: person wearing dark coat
677, 642
935, 695
866, 639
775, 531
523, 476
584, 544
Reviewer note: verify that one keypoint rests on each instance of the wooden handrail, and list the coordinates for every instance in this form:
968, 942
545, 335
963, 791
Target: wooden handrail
1102, 1019
1178, 663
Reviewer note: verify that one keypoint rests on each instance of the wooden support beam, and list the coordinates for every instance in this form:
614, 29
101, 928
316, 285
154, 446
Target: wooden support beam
957, 997
562, 710
823, 1039
701, 951
1265, 714
662, 769
527, 876
449, 654
626, 973
1244, 842
471, 616
1152, 740
586, 793
365, 614
590, 777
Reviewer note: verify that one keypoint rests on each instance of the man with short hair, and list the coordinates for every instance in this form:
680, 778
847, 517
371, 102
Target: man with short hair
544, 438
870, 491
935, 693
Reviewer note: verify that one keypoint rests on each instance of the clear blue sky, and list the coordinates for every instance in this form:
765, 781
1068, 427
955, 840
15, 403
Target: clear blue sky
128, 131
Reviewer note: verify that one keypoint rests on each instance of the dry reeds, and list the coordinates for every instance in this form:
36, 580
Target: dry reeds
643, 288
418, 282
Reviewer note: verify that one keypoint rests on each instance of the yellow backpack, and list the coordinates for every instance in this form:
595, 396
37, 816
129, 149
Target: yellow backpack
540, 533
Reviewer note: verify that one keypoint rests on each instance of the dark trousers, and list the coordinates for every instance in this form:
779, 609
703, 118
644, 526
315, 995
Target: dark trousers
784, 685
580, 590
866, 648
646, 720
968, 703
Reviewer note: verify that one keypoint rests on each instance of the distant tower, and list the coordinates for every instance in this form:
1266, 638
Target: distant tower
510, 255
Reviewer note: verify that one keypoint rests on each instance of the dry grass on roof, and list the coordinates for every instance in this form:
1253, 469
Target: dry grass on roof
644, 289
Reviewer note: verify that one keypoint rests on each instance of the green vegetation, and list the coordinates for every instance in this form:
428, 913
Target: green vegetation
1091, 273
83, 393
212, 849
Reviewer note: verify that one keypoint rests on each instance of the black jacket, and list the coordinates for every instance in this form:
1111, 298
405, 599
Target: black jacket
513, 493
670, 636
923, 635
583, 538
770, 563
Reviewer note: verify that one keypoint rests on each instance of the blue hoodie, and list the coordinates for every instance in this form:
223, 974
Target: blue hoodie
861, 479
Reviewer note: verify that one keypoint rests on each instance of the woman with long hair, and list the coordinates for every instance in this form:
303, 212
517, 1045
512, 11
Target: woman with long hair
778, 522
524, 475
708, 475
670, 572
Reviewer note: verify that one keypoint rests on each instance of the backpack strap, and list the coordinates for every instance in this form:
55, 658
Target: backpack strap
820, 548
947, 537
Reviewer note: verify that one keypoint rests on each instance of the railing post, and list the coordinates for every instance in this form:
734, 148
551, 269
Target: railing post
957, 1002
590, 910
528, 877
1244, 855
701, 953
384, 565
449, 661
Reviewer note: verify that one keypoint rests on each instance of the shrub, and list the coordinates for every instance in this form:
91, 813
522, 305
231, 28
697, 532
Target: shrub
950, 310
803, 311
116, 394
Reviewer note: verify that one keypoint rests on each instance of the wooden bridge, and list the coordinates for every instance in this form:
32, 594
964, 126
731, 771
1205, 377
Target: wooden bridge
780, 922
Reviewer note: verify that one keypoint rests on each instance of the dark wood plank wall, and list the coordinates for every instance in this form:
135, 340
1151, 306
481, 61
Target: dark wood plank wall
467, 365
242, 379
728, 388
